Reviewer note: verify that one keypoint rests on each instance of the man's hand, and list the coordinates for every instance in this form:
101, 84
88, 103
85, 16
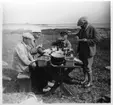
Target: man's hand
84, 40
33, 64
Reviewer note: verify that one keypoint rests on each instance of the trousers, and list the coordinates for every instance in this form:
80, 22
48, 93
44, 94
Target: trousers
87, 63
87, 68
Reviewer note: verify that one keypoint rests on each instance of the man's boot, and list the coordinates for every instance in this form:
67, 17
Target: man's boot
85, 78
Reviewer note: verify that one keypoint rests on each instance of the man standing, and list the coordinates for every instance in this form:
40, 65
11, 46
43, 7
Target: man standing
87, 38
22, 58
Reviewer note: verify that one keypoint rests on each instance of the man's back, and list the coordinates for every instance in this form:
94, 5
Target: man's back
20, 58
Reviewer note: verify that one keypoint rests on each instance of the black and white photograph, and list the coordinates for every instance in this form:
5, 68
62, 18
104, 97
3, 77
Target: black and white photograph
56, 52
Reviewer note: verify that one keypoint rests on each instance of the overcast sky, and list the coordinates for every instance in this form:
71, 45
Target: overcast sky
56, 12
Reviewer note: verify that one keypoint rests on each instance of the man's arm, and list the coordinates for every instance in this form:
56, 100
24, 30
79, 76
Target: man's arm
95, 38
21, 53
69, 44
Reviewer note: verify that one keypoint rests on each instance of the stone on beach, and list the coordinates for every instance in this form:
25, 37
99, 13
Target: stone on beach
108, 67
31, 100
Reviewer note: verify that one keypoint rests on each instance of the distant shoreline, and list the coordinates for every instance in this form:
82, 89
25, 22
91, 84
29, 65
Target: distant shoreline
27, 26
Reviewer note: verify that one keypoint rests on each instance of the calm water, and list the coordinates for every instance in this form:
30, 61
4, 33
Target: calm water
46, 26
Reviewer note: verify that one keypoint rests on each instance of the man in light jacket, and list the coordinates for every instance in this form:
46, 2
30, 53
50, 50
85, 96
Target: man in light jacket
22, 58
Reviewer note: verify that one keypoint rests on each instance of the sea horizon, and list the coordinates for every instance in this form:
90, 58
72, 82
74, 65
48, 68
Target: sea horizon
28, 26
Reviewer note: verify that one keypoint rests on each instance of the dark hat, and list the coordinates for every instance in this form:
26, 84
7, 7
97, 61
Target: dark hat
81, 21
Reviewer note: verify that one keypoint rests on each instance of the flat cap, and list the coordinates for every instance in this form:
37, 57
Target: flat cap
28, 35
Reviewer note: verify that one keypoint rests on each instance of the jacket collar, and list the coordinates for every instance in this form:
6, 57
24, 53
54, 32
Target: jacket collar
87, 26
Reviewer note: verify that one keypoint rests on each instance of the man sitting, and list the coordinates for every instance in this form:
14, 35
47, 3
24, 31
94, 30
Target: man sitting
37, 49
39, 76
22, 58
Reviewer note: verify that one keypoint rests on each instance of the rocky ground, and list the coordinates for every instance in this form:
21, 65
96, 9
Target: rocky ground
101, 80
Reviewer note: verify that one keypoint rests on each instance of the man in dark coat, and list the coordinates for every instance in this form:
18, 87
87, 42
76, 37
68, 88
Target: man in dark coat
87, 38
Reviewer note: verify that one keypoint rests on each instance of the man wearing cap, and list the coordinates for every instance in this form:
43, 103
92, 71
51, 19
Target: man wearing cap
23, 61
22, 57
87, 38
